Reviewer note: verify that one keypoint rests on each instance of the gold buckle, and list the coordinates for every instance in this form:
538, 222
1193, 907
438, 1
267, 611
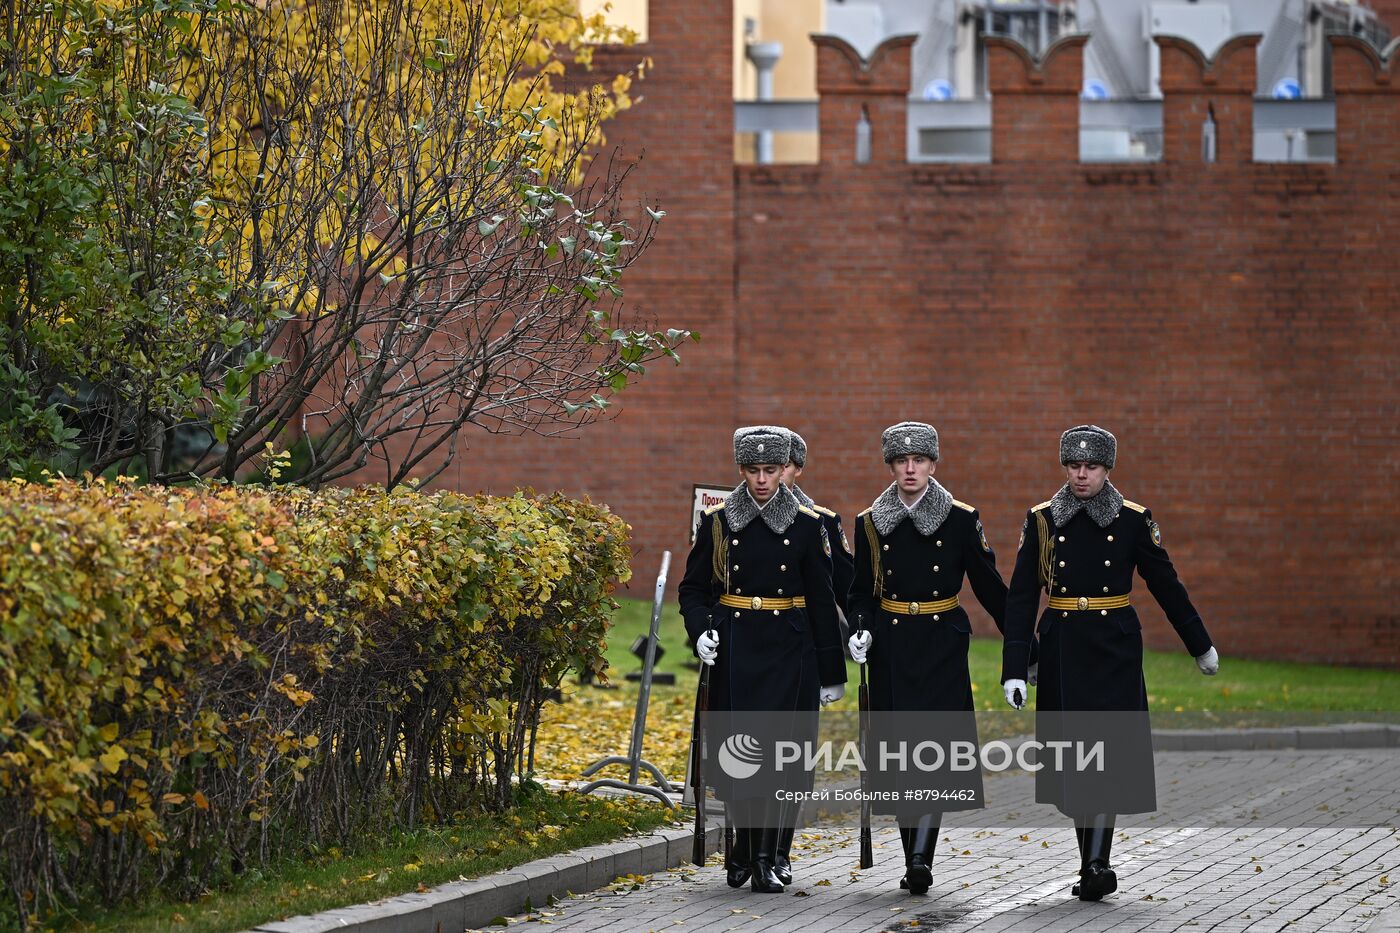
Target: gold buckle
1083, 603
757, 602
913, 609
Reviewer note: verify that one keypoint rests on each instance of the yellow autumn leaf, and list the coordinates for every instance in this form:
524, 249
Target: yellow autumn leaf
112, 759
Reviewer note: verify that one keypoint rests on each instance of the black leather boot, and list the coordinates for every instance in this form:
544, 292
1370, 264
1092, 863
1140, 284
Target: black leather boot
920, 871
1083, 862
906, 839
1097, 879
782, 862
737, 868
787, 828
765, 843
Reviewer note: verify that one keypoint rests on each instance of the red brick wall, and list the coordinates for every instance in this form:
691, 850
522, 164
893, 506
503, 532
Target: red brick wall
1234, 324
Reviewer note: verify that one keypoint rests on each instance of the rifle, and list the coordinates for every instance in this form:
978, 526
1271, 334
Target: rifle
697, 752
867, 852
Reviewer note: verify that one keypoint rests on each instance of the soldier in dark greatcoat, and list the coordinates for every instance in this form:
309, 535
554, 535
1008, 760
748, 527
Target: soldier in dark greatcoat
1081, 547
758, 604
914, 546
842, 569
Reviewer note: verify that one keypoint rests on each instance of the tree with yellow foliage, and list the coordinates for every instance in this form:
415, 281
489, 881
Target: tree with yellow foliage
367, 224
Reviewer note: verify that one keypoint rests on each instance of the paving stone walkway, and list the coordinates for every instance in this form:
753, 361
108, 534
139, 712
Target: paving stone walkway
1280, 843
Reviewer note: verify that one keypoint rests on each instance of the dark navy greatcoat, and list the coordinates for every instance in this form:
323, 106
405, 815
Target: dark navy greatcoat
1091, 660
768, 659
842, 563
919, 662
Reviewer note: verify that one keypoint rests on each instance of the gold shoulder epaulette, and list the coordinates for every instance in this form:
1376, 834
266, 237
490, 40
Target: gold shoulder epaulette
963, 505
866, 512
1043, 505
714, 508
1134, 506
824, 510
806, 511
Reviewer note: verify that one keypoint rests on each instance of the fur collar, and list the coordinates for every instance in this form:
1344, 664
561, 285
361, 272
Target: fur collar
778, 514
802, 497
1102, 508
888, 511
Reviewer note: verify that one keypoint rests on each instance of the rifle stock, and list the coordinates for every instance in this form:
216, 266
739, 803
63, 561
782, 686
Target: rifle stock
867, 849
697, 751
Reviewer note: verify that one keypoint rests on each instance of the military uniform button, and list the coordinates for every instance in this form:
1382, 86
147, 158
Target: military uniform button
938, 544
935, 592
786, 541
894, 621
736, 566
782, 566
935, 618
1103, 612
889, 573
775, 612
887, 547
1062, 563
780, 592
736, 614
1105, 589
738, 592
1108, 563
1064, 589
1063, 615
1110, 537
735, 542
894, 596
935, 568
1062, 537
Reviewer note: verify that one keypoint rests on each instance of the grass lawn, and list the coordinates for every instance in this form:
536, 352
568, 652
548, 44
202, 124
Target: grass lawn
544, 824
1173, 683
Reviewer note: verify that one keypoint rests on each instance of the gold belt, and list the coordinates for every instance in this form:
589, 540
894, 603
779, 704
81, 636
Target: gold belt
916, 609
1085, 603
763, 602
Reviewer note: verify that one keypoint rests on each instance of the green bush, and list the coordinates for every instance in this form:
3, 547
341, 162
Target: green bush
194, 681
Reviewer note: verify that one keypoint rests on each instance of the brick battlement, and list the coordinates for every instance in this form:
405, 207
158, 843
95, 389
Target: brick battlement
1234, 323
1035, 105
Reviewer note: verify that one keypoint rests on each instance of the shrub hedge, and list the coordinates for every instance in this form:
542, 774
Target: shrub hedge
194, 681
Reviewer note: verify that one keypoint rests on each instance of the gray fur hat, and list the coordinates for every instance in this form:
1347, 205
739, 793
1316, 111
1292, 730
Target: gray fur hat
909, 437
1089, 443
799, 448
762, 443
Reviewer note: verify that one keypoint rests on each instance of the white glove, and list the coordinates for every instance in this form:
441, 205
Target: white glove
859, 643
1015, 693
707, 646
1033, 674
833, 693
1209, 663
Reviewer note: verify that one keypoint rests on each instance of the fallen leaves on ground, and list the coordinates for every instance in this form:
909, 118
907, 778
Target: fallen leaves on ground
592, 723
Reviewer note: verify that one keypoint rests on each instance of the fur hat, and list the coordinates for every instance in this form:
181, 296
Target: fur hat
1089, 443
762, 443
799, 449
909, 437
